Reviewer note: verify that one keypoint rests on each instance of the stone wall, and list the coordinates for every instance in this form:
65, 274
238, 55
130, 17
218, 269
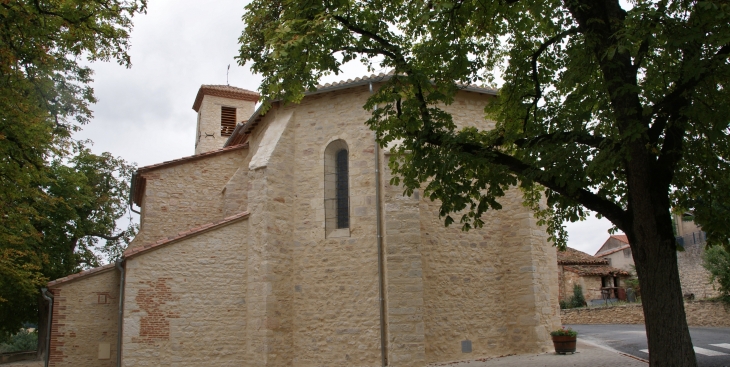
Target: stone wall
591, 285
699, 313
693, 276
185, 303
186, 195
85, 319
332, 281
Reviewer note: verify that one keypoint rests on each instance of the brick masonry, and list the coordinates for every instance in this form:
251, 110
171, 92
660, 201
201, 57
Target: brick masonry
185, 303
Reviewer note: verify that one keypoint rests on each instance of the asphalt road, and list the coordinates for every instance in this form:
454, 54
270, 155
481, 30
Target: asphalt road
712, 345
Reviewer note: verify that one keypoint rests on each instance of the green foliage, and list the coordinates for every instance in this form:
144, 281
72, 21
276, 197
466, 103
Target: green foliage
21, 341
564, 332
57, 199
633, 283
717, 262
577, 300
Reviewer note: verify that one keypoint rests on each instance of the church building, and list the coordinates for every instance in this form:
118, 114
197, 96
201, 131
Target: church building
281, 242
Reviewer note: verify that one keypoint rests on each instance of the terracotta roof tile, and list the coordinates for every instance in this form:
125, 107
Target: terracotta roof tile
81, 275
621, 237
572, 256
184, 234
596, 270
225, 91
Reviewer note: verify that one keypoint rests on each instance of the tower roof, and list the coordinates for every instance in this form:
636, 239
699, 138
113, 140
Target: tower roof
225, 91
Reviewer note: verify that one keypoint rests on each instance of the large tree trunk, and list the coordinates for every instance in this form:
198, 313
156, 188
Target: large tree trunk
655, 254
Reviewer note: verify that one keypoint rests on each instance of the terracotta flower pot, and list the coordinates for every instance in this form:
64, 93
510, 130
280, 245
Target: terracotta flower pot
564, 344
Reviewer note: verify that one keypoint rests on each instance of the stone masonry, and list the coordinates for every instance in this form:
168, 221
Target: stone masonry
233, 266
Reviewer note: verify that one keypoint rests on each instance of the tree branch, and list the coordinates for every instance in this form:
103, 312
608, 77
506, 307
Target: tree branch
670, 101
536, 80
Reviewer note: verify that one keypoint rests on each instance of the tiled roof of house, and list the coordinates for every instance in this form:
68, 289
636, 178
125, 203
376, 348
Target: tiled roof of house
225, 91
80, 275
574, 257
621, 237
139, 182
595, 270
613, 251
183, 235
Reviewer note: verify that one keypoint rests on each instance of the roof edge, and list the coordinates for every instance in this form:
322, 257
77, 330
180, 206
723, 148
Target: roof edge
138, 184
231, 92
609, 252
241, 130
142, 249
82, 274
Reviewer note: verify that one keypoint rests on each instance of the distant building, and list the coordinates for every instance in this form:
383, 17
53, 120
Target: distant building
617, 252
594, 275
693, 276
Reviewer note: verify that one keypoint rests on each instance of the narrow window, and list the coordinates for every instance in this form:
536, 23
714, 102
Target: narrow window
228, 120
343, 202
336, 190
627, 252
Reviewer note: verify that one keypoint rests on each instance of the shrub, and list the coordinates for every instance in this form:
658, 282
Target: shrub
578, 300
21, 342
717, 262
564, 332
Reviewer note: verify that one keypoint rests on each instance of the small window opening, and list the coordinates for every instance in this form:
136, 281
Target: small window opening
336, 190
228, 120
343, 204
102, 299
627, 252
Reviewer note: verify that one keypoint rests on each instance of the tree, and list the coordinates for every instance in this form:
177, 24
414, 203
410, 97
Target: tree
619, 110
716, 260
56, 197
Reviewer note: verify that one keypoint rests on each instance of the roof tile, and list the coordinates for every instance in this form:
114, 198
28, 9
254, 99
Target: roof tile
572, 256
80, 275
225, 91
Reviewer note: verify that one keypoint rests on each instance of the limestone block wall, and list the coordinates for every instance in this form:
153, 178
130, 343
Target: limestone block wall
329, 283
208, 134
187, 195
693, 276
591, 285
186, 304
699, 313
271, 196
85, 319
528, 276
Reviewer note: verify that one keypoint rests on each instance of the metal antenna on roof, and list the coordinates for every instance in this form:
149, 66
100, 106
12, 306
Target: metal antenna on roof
229, 69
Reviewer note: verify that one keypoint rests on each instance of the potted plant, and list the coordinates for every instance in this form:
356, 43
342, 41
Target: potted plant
564, 340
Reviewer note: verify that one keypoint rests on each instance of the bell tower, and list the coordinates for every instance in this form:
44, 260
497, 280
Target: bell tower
220, 108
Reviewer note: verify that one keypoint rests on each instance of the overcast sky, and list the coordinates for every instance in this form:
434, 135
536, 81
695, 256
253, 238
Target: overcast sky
145, 114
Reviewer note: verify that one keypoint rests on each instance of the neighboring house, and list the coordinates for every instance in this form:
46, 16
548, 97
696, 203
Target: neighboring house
283, 243
617, 252
692, 275
597, 278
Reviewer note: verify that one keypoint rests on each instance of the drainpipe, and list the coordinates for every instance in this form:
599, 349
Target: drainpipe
379, 233
48, 296
121, 311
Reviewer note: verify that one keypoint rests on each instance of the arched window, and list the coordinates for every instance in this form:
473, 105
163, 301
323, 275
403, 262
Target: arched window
336, 190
